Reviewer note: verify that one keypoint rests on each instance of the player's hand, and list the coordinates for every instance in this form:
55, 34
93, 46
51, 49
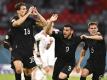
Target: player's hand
35, 11
31, 10
83, 36
54, 17
78, 68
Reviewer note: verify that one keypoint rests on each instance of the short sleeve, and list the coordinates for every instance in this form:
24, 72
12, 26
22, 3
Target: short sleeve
38, 36
13, 19
56, 34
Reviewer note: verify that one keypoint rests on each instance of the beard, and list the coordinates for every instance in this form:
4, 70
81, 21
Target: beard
67, 36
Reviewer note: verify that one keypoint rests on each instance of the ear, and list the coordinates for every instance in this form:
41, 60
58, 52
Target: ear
88, 29
72, 31
97, 29
17, 11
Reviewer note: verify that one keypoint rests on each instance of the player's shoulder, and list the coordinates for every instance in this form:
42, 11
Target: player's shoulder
12, 19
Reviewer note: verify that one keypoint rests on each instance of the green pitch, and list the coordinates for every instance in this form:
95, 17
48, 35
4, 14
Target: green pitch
7, 77
11, 77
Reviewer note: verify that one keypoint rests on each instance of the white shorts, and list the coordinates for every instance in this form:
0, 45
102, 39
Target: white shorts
48, 58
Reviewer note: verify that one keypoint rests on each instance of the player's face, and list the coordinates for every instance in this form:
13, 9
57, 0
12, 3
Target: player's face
22, 11
67, 32
93, 29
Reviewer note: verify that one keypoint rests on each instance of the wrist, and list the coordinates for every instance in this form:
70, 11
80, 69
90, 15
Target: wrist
37, 14
88, 37
28, 13
78, 65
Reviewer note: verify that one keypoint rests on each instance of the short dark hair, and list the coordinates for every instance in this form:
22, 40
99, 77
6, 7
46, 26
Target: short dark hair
18, 5
92, 23
69, 25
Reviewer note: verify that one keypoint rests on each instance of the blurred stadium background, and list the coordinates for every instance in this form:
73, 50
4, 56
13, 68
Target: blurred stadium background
76, 12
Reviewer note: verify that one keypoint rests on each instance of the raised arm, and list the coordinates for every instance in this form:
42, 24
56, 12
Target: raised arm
17, 23
95, 37
50, 24
40, 20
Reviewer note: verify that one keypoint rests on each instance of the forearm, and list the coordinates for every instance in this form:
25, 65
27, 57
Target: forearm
48, 27
80, 61
18, 22
41, 19
50, 23
82, 54
96, 37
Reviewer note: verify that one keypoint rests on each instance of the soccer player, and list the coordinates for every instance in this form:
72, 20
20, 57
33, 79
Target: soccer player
44, 49
43, 43
66, 43
23, 39
96, 62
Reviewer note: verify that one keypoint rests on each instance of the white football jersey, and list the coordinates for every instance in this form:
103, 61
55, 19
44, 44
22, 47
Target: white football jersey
47, 55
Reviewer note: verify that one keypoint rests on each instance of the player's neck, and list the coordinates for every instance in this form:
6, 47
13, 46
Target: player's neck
70, 36
19, 16
44, 33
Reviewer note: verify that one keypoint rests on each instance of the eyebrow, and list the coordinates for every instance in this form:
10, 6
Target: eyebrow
93, 28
